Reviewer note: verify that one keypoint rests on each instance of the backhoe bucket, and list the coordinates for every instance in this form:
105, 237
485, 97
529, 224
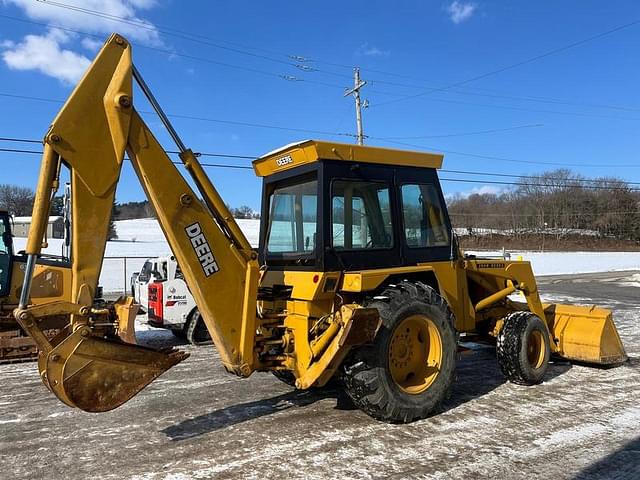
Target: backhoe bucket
97, 375
585, 334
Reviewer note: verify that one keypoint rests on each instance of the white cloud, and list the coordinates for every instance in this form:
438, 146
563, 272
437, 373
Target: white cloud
45, 54
372, 51
91, 44
132, 27
51, 53
486, 190
461, 11
483, 190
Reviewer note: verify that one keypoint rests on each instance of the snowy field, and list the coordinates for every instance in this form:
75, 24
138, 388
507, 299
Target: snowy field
144, 238
197, 422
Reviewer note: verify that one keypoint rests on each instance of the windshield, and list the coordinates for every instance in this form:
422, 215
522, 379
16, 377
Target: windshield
292, 218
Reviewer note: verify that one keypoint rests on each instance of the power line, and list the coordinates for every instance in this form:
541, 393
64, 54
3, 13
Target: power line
214, 165
523, 184
511, 160
306, 68
252, 157
479, 132
205, 119
169, 32
513, 175
496, 94
255, 125
200, 39
526, 215
178, 54
525, 109
571, 183
514, 65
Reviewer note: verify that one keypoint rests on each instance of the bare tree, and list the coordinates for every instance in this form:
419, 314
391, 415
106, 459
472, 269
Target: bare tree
243, 212
17, 200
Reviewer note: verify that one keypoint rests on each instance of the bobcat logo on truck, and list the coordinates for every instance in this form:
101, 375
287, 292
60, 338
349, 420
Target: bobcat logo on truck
203, 250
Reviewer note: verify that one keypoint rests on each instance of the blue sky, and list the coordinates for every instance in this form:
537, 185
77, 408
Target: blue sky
578, 106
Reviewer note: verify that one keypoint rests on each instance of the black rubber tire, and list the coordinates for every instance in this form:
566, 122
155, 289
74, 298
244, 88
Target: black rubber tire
512, 348
179, 333
285, 377
197, 333
366, 373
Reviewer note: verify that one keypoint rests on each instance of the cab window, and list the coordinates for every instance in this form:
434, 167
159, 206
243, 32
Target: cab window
361, 215
424, 217
292, 219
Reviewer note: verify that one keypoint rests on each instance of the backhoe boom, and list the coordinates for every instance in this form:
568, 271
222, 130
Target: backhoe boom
90, 135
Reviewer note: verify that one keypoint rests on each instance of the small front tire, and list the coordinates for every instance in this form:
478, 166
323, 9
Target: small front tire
523, 348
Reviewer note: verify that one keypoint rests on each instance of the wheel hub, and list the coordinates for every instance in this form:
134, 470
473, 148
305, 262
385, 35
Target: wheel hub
535, 349
415, 354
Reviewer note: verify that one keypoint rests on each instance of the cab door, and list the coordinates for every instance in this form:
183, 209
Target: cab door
427, 236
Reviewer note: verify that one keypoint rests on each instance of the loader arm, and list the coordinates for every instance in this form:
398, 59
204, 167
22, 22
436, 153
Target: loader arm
90, 136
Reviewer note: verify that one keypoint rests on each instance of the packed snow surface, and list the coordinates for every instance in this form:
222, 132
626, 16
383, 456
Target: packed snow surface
143, 238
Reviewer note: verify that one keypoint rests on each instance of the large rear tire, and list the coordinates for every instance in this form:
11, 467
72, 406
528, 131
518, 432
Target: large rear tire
409, 369
523, 348
197, 333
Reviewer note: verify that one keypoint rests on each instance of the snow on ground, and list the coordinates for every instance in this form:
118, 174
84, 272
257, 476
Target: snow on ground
561, 263
143, 238
198, 422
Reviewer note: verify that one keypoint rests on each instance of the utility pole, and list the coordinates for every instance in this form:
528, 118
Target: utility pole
355, 91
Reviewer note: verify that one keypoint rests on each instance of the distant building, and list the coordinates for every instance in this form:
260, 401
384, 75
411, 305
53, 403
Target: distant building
55, 227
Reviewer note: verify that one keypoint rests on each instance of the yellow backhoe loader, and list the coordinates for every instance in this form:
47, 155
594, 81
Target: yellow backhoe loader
359, 274
51, 282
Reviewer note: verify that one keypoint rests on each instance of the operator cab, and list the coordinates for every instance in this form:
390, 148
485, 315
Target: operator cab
331, 207
6, 253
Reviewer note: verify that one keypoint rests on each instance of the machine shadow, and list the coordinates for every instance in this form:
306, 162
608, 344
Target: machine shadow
623, 463
234, 414
478, 373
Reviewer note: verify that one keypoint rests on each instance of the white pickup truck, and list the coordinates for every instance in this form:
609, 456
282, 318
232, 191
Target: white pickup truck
161, 290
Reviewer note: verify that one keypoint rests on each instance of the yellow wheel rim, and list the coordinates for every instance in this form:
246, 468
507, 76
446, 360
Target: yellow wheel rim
415, 354
535, 349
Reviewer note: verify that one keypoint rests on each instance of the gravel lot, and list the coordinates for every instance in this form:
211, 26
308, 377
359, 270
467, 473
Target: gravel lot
198, 422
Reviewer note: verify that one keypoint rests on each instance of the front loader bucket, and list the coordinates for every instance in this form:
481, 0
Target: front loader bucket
97, 375
585, 334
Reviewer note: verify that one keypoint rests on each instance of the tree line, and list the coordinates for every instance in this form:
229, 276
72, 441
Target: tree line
558, 202
18, 201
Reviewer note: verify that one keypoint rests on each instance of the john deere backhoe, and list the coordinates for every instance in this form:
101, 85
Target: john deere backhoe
359, 274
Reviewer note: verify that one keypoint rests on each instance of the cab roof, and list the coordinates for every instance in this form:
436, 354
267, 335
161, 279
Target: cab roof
309, 151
